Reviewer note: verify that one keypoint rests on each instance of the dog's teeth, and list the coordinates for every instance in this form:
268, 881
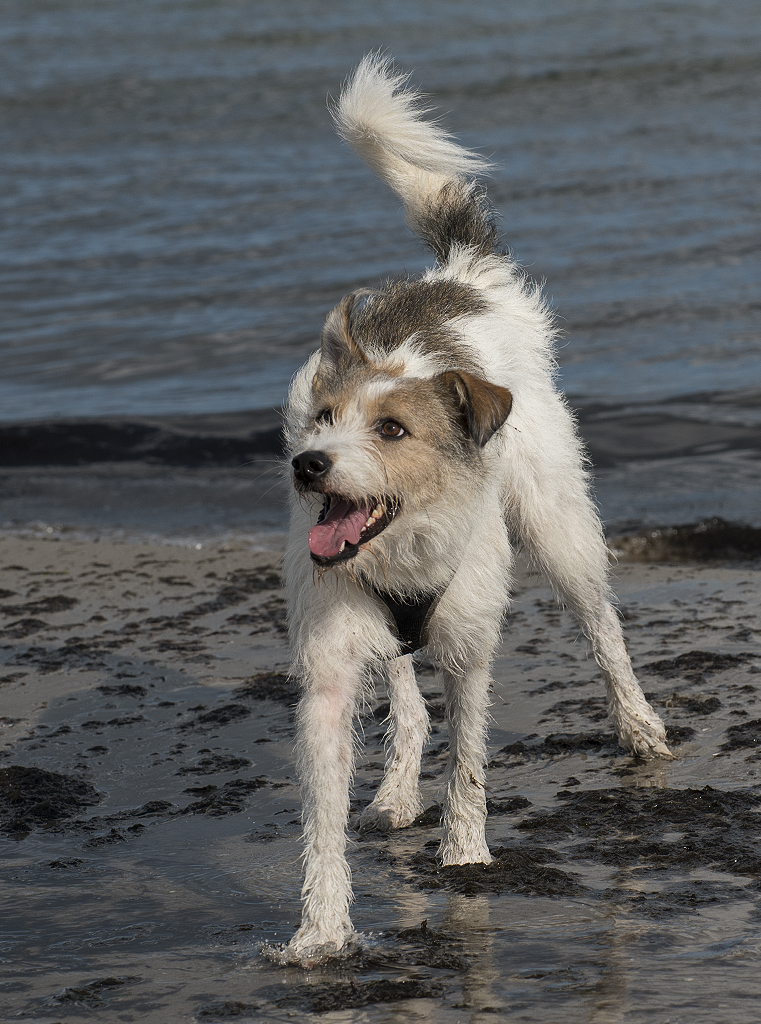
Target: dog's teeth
377, 511
369, 522
343, 545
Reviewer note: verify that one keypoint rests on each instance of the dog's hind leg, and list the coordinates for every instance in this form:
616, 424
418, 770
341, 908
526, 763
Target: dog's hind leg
397, 802
561, 529
582, 585
638, 727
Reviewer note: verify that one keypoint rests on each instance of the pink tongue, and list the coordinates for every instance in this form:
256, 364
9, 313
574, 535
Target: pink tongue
344, 522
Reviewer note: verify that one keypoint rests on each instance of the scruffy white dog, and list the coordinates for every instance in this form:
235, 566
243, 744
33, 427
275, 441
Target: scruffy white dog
427, 441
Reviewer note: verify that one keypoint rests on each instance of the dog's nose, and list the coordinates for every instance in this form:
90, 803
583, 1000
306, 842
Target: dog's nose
311, 466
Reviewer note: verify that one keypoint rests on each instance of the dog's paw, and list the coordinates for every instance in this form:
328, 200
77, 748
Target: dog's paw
312, 946
383, 817
451, 854
642, 734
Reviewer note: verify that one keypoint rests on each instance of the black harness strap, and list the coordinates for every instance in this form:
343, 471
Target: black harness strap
411, 617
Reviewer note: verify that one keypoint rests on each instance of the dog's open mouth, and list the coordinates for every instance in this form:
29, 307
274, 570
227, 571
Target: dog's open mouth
344, 526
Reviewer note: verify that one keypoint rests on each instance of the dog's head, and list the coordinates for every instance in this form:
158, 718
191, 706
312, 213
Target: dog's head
392, 418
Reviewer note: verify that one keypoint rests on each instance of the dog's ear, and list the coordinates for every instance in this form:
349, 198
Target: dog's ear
338, 343
485, 406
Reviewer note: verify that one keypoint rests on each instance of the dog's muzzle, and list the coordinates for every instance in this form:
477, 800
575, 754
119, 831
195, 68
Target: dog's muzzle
344, 524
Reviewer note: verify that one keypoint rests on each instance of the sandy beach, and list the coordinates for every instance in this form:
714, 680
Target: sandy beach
150, 818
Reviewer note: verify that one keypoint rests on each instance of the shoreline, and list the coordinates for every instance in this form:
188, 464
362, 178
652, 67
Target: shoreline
712, 540
669, 466
614, 432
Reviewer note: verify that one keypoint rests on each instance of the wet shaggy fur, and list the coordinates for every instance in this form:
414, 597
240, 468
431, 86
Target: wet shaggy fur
428, 441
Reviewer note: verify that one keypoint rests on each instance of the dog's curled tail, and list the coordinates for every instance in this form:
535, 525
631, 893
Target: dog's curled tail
383, 122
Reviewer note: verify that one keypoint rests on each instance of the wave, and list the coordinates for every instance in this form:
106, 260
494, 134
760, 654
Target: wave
225, 440
614, 433
712, 539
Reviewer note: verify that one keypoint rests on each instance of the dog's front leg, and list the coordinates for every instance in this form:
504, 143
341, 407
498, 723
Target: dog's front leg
397, 802
464, 819
325, 744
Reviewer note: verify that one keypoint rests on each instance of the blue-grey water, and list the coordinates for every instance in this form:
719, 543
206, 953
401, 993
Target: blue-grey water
178, 215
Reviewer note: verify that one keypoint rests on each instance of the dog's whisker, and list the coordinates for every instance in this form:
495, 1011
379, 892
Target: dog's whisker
263, 462
264, 493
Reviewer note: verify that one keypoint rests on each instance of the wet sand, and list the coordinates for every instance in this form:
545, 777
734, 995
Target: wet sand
149, 816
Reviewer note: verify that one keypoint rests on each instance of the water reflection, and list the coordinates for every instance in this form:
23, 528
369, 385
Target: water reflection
469, 917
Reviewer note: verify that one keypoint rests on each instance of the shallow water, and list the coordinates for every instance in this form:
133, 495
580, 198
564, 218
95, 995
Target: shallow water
178, 216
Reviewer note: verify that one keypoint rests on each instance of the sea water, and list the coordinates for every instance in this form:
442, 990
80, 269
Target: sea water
178, 216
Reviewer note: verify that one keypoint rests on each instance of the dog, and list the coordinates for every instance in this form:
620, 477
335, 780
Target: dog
426, 441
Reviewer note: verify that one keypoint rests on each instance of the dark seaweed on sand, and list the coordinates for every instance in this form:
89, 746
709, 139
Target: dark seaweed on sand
353, 994
693, 665
91, 994
212, 764
692, 705
227, 1010
520, 870
747, 734
218, 801
76, 652
33, 798
658, 828
42, 606
709, 540
24, 627
563, 743
277, 686
122, 690
554, 744
238, 586
685, 898
219, 716
270, 615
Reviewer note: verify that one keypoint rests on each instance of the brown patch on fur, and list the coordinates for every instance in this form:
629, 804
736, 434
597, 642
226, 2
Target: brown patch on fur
418, 464
420, 308
337, 343
356, 331
333, 386
422, 408
485, 406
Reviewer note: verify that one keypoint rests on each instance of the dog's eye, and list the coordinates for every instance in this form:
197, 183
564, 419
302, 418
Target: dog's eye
390, 428
326, 416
